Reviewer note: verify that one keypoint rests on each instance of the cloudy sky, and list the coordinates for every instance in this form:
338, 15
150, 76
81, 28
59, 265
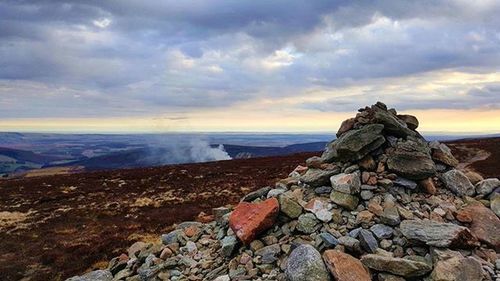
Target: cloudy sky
151, 66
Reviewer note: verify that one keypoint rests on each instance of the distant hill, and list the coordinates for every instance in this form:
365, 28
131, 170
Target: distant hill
27, 156
242, 151
147, 157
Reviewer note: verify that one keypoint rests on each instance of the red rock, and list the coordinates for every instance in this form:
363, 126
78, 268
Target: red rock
191, 231
485, 224
464, 217
345, 267
372, 181
249, 219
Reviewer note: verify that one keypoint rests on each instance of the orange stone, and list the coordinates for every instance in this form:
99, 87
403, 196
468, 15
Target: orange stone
250, 219
345, 267
463, 216
428, 186
485, 224
191, 231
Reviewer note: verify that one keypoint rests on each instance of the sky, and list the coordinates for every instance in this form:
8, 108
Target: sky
256, 66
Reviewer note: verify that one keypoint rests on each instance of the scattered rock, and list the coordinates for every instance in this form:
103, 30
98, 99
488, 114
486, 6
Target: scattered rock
428, 185
97, 275
269, 254
346, 125
355, 144
307, 223
219, 214
289, 206
438, 234
485, 224
392, 124
347, 201
345, 267
473, 176
256, 194
228, 245
399, 266
411, 159
495, 205
305, 264
367, 241
487, 186
318, 177
329, 241
457, 182
346, 183
442, 153
382, 231
410, 120
406, 183
249, 219
320, 208
453, 266
390, 216
368, 163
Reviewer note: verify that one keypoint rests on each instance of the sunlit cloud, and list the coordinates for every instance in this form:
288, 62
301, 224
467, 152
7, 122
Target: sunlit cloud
213, 61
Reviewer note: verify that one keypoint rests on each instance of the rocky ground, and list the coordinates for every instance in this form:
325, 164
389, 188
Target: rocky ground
380, 203
53, 227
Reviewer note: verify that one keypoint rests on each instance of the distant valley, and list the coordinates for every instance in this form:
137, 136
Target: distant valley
33, 154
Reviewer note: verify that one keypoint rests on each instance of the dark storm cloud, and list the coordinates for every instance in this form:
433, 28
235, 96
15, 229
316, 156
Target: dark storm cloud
155, 55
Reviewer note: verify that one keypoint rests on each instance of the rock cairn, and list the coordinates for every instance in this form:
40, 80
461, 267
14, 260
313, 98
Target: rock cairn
381, 203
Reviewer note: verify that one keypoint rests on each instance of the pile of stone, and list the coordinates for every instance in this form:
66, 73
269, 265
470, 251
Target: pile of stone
381, 203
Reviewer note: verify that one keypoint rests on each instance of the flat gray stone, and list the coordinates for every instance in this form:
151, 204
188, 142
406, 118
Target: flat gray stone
399, 266
437, 234
458, 183
305, 264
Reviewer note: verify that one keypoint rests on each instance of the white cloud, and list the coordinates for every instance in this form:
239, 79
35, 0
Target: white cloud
102, 23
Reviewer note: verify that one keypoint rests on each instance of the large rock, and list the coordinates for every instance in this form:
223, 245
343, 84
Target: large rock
345, 267
411, 159
305, 264
399, 266
442, 153
457, 182
249, 219
438, 234
453, 266
495, 204
346, 183
355, 144
485, 224
318, 177
392, 124
410, 120
487, 186
97, 275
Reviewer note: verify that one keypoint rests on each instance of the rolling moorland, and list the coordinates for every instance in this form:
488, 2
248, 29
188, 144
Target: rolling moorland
53, 227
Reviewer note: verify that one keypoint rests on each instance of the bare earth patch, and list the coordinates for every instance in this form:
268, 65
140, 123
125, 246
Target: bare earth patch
12, 219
